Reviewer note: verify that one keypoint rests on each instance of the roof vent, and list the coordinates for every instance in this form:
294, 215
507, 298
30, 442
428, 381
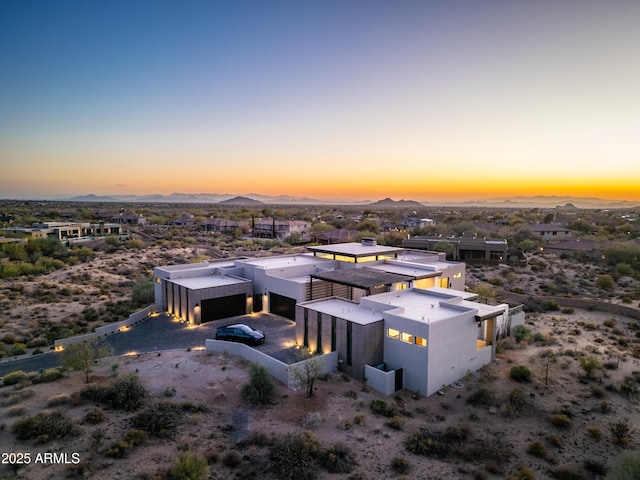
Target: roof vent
369, 242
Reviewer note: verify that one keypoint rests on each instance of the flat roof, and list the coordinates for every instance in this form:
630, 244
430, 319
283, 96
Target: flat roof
209, 281
354, 249
434, 305
284, 261
409, 270
341, 308
360, 277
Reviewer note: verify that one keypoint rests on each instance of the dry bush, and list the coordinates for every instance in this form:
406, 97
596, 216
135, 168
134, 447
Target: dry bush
560, 420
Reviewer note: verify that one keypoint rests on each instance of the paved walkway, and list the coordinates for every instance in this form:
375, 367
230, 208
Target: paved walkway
164, 333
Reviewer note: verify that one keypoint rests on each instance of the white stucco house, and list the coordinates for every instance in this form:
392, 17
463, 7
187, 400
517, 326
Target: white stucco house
397, 317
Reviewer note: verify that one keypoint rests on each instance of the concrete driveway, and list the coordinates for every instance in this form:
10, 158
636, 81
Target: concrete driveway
162, 332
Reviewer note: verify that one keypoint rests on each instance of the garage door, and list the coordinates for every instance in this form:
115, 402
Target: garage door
223, 307
283, 306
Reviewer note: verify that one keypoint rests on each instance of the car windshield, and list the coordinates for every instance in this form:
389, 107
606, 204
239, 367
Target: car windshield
244, 328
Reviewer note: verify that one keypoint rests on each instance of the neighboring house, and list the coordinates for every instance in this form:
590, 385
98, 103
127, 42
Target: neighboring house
129, 219
372, 304
416, 222
220, 225
65, 231
466, 248
550, 231
281, 229
183, 220
340, 235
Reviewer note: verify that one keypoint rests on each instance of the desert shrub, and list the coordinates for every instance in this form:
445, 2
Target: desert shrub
118, 449
232, 459
521, 333
567, 310
396, 422
627, 467
520, 373
537, 449
160, 419
549, 306
611, 322
621, 431
16, 411
589, 365
359, 419
597, 391
338, 459
49, 375
60, 399
400, 464
482, 396
516, 400
260, 390
16, 397
312, 420
437, 444
523, 473
14, 378
594, 432
190, 466
595, 467
44, 426
127, 394
94, 416
18, 349
136, 437
380, 407
560, 420
628, 387
554, 440
605, 407
294, 456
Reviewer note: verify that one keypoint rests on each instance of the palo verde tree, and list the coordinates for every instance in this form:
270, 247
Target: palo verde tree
84, 355
307, 371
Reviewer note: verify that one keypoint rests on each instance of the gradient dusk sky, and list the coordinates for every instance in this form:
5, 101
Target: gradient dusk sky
421, 100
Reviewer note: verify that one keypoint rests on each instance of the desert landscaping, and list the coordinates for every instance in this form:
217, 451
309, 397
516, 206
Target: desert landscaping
560, 401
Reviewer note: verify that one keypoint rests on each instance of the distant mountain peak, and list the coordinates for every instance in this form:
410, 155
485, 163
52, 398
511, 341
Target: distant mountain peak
239, 200
388, 203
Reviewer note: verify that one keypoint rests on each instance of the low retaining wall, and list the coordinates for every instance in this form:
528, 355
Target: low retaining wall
276, 368
380, 381
573, 302
134, 319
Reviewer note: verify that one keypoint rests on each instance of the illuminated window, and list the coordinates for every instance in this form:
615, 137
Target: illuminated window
406, 337
422, 342
366, 259
324, 255
344, 258
386, 256
393, 333
157, 279
457, 275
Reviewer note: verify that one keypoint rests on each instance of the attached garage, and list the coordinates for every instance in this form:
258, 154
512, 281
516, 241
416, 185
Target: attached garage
223, 307
207, 298
283, 306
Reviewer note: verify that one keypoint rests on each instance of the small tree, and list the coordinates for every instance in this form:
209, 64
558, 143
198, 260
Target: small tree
605, 282
143, 291
308, 371
260, 389
83, 356
590, 365
548, 357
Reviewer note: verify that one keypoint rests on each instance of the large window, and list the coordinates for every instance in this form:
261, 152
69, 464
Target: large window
406, 337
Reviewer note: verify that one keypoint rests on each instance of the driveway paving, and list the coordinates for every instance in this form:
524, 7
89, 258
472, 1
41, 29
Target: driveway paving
162, 332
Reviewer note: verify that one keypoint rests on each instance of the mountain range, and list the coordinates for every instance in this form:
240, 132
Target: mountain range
256, 199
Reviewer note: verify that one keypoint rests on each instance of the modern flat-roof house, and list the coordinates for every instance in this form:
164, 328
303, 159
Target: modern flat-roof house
281, 229
377, 306
466, 248
65, 231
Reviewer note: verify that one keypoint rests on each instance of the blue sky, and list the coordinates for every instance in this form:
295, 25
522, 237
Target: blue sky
422, 100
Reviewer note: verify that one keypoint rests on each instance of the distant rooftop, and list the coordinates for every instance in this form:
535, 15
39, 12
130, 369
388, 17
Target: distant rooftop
339, 307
